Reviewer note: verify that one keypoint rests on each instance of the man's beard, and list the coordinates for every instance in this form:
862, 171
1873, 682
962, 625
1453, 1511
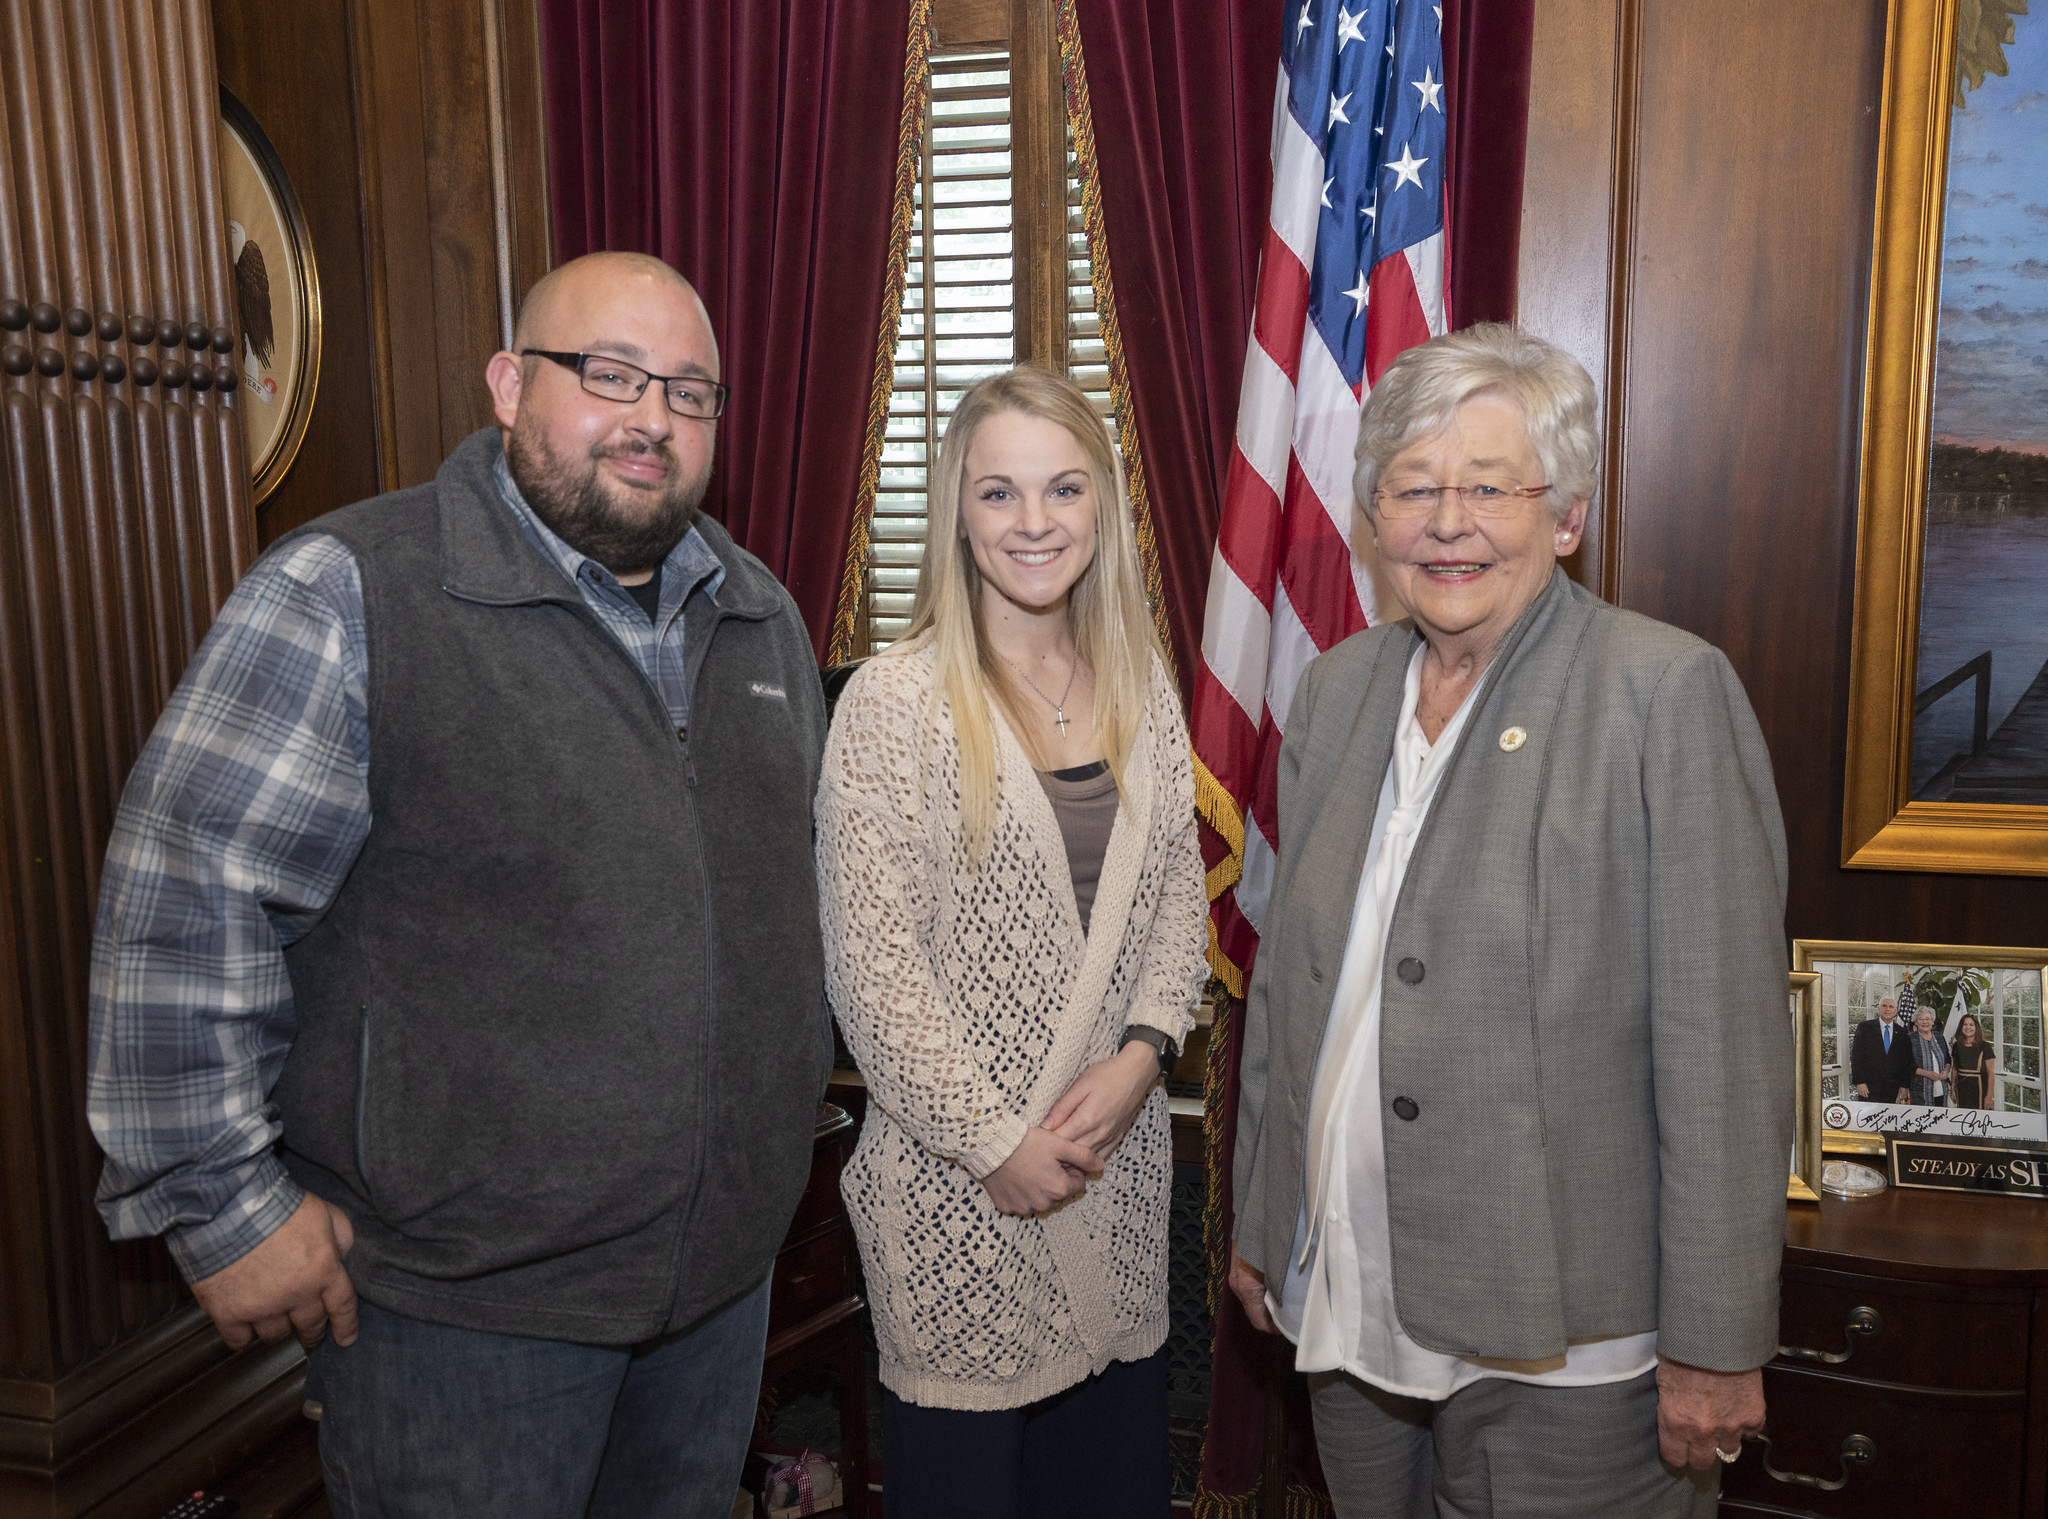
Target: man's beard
579, 509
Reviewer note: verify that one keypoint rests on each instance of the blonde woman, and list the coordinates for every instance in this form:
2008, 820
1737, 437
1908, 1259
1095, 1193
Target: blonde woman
1013, 911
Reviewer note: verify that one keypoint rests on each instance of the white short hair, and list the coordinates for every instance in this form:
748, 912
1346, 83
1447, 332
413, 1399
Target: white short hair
1421, 391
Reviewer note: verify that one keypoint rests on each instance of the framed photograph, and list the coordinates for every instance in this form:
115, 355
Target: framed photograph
277, 295
1804, 1183
1934, 1039
1948, 692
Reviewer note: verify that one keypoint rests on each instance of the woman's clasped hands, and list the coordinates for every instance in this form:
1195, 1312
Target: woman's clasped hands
1078, 1136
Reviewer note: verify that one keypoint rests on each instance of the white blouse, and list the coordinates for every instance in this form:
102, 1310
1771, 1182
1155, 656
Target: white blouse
1336, 1302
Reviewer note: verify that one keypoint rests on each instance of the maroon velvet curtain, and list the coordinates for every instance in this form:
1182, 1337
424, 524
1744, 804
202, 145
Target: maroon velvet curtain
752, 145
1486, 63
1182, 95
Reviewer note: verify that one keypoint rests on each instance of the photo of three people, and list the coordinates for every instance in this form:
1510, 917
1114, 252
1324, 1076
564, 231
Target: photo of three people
1962, 1040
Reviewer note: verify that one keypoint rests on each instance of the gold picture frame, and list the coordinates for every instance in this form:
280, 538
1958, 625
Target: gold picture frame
1810, 955
1803, 1186
277, 291
1882, 827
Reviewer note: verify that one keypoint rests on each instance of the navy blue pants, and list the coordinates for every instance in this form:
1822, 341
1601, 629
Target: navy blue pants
422, 1421
1095, 1451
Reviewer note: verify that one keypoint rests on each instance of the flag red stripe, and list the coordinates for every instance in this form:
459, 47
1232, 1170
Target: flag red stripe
1279, 319
1315, 565
1223, 735
1397, 319
1245, 535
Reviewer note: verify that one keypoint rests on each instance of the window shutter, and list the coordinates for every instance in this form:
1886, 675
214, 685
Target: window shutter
959, 298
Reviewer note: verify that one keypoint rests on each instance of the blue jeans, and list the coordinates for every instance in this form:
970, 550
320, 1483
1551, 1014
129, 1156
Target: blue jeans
422, 1421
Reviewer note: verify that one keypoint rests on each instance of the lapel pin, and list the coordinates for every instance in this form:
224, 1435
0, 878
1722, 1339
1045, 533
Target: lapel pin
1512, 739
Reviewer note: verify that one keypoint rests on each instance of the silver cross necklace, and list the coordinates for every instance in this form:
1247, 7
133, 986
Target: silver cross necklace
1059, 708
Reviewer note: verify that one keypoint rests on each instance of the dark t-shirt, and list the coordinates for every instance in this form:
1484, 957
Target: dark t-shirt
648, 594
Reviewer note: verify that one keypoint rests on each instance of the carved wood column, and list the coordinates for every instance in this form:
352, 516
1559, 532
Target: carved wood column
125, 522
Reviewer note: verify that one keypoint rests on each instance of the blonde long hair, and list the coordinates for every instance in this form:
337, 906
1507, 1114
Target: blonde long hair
1111, 621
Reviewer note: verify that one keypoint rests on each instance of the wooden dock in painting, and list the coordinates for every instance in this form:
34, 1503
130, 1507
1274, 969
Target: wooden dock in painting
2013, 765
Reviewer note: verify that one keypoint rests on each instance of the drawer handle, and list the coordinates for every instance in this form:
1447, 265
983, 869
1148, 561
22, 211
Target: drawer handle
1863, 1321
1857, 1450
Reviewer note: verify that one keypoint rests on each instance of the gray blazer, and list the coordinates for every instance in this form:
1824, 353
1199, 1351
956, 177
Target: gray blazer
1592, 1028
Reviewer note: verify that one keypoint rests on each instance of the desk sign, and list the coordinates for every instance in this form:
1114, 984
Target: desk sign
1951, 1164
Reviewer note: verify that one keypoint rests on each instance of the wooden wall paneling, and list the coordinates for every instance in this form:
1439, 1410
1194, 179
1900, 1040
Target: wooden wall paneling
157, 414
1744, 282
25, 1328
213, 325
119, 574
137, 456
462, 84
125, 522
528, 226
186, 120
397, 197
423, 259
50, 680
1567, 238
1038, 120
291, 66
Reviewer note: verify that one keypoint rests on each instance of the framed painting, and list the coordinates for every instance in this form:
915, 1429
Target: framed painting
1802, 1184
277, 297
1926, 1039
1948, 688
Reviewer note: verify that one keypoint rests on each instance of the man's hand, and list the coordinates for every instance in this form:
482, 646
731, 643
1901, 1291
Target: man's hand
1905, 1095
1041, 1173
1863, 1091
1249, 1283
1701, 1413
291, 1283
1101, 1105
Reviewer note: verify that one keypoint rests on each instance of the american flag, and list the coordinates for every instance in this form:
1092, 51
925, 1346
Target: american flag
1352, 273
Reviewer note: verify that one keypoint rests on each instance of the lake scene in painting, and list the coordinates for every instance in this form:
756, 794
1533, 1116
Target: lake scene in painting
1980, 731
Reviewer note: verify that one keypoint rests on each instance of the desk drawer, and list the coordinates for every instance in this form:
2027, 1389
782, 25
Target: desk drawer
1929, 1453
821, 1200
809, 1278
1904, 1332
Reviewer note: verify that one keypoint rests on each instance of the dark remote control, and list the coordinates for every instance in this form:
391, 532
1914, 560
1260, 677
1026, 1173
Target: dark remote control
201, 1506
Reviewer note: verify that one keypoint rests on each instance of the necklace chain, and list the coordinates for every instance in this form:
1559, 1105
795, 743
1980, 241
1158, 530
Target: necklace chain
1059, 708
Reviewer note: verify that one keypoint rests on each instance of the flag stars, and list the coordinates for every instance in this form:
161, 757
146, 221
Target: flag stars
1326, 193
1370, 211
1439, 19
1302, 23
1337, 104
1432, 91
1408, 167
1347, 28
1359, 295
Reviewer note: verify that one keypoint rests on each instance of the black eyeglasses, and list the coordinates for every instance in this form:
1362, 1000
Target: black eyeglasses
616, 380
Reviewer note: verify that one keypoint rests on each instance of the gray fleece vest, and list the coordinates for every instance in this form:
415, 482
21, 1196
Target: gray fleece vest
562, 1033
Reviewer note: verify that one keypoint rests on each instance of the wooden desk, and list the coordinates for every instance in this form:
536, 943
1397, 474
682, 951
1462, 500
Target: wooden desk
814, 1307
1912, 1376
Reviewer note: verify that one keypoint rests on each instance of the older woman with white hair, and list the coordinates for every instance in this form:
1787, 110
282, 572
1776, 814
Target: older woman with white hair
1517, 1086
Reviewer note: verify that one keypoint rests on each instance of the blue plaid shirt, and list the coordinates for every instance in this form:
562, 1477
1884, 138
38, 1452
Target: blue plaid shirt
240, 821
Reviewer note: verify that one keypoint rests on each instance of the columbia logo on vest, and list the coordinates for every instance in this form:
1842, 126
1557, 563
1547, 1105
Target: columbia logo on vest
762, 688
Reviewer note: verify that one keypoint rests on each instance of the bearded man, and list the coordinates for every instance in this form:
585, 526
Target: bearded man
457, 996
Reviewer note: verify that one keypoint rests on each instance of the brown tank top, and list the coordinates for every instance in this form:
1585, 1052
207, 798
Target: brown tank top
1084, 799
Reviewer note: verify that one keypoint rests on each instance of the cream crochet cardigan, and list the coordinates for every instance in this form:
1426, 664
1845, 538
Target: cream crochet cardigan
972, 1000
